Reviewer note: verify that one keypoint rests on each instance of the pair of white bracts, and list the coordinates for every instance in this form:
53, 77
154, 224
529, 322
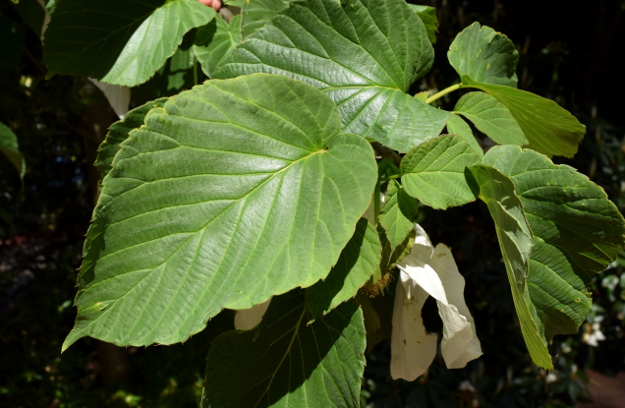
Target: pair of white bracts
426, 271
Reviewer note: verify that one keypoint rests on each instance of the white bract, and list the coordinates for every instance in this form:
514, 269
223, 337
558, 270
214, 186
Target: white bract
430, 271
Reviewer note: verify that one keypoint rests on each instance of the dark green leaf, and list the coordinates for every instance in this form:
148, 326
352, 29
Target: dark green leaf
121, 42
433, 172
257, 13
8, 146
549, 128
457, 126
484, 55
364, 54
358, 261
516, 242
188, 222
577, 230
427, 14
286, 362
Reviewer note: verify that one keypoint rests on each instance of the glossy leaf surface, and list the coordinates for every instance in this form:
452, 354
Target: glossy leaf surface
188, 220
433, 172
364, 54
286, 362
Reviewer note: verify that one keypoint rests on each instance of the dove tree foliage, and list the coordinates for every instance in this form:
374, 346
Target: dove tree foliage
253, 185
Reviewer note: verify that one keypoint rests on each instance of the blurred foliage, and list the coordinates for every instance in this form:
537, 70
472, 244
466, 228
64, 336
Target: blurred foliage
574, 61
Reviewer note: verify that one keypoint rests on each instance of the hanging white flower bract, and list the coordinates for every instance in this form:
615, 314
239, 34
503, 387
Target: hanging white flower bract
429, 271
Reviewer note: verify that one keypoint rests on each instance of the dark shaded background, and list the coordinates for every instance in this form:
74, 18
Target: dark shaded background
573, 55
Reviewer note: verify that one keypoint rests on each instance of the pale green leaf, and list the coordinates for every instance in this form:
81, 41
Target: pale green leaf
577, 230
119, 131
433, 172
257, 13
286, 362
215, 41
121, 42
358, 261
549, 128
230, 193
516, 241
427, 14
484, 55
398, 215
491, 117
9, 147
364, 54
457, 126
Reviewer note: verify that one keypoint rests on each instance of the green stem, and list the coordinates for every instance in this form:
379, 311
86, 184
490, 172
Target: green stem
443, 93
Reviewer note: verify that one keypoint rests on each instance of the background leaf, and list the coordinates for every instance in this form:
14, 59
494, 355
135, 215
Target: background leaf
187, 225
433, 172
257, 13
577, 230
286, 362
549, 128
215, 41
358, 261
484, 55
398, 215
8, 146
121, 42
364, 54
516, 241
457, 126
491, 117
427, 14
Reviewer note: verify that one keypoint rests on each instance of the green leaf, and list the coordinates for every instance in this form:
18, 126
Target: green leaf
364, 54
358, 261
577, 230
549, 128
119, 131
398, 215
286, 362
484, 55
457, 126
427, 14
491, 117
257, 13
516, 242
433, 172
9, 146
188, 222
121, 42
213, 44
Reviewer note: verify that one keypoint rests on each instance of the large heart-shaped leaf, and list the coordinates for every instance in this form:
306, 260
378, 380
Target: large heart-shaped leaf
577, 230
363, 53
8, 146
358, 261
121, 42
214, 43
549, 128
230, 193
286, 362
119, 131
516, 241
491, 117
484, 55
433, 172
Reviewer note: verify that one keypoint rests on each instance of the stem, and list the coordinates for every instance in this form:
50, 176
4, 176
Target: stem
443, 93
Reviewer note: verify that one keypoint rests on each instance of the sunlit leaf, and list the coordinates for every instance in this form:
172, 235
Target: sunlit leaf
457, 126
397, 217
214, 43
